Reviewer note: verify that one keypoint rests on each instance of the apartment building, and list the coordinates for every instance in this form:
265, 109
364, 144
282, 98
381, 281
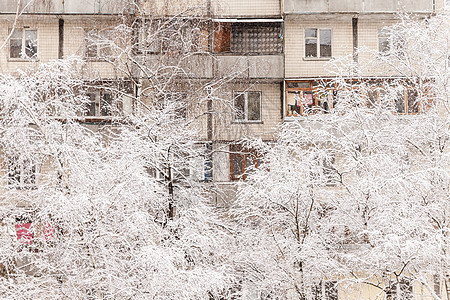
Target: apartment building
272, 54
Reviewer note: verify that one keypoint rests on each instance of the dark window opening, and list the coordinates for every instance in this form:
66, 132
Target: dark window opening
248, 38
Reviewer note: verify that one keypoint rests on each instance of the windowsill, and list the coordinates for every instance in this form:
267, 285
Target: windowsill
317, 58
247, 122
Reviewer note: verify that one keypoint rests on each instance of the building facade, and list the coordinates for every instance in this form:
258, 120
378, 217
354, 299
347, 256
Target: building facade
263, 57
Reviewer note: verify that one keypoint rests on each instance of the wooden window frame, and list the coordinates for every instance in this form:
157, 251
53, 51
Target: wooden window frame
310, 89
245, 155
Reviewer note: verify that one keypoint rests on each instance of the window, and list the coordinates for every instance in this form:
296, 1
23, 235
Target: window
173, 37
249, 38
174, 104
100, 104
402, 99
317, 43
26, 231
304, 98
23, 44
383, 41
325, 290
247, 106
98, 44
323, 171
242, 161
21, 173
400, 290
437, 285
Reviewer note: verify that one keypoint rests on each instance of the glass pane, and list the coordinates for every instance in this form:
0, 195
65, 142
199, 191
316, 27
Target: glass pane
310, 32
293, 103
302, 85
372, 98
325, 43
310, 47
323, 102
15, 48
400, 103
106, 104
254, 106
30, 43
239, 107
91, 105
383, 44
17, 34
237, 171
413, 105
307, 99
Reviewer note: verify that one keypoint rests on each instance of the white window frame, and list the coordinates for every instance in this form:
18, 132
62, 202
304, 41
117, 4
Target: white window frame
23, 55
319, 56
245, 118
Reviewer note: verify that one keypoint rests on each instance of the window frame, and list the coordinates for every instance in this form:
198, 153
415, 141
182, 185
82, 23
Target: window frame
245, 119
245, 155
403, 94
22, 53
316, 104
323, 291
319, 56
382, 35
97, 34
21, 174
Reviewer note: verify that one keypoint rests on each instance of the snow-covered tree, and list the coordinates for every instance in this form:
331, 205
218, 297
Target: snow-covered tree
115, 209
358, 196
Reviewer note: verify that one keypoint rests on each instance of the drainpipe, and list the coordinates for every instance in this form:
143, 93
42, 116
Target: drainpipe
355, 38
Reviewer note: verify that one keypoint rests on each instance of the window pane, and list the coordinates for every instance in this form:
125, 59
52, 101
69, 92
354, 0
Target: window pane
400, 103
293, 103
237, 161
311, 32
413, 106
383, 44
30, 43
372, 98
307, 99
15, 48
303, 85
91, 106
311, 47
239, 107
106, 104
254, 106
17, 34
325, 43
